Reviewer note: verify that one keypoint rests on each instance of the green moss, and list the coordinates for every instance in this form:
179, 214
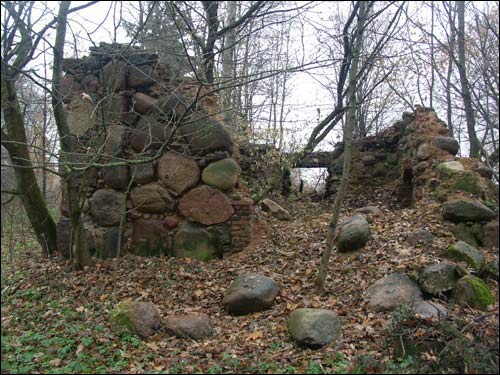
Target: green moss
463, 252
121, 318
460, 181
482, 296
469, 233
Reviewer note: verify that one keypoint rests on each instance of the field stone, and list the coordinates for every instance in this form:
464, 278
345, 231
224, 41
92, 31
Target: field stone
431, 310
314, 328
392, 291
140, 318
194, 326
353, 233
420, 237
438, 278
250, 293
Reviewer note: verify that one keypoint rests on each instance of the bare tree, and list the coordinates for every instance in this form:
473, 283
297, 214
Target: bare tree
348, 133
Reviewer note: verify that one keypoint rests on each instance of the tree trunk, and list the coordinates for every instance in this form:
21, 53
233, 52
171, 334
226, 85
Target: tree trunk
475, 149
68, 145
228, 57
348, 132
27, 186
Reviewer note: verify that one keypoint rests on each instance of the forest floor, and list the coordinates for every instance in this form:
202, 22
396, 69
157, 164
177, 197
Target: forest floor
56, 320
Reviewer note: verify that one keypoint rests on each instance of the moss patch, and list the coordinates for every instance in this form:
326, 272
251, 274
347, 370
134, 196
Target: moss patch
473, 291
122, 319
462, 251
460, 181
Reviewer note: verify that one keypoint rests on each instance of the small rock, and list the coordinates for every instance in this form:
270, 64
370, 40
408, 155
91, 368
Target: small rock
370, 210
431, 310
194, 326
423, 152
314, 328
485, 171
250, 293
275, 209
420, 237
489, 234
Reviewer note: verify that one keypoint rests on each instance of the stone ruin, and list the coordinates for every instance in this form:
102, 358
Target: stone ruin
180, 191
416, 157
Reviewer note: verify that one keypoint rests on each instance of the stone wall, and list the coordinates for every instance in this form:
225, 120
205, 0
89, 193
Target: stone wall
154, 157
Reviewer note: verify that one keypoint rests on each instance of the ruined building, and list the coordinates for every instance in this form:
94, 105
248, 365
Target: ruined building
161, 170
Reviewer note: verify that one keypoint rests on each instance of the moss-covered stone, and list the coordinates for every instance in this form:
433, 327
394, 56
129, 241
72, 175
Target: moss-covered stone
469, 233
122, 318
462, 251
222, 174
472, 291
459, 181
194, 242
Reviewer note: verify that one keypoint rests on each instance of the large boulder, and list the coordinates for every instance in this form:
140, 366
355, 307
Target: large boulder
353, 233
177, 172
392, 291
140, 318
206, 205
194, 242
191, 326
250, 293
472, 291
107, 242
462, 251
150, 238
275, 209
314, 328
204, 134
448, 144
222, 174
107, 206
467, 210
151, 198
438, 278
